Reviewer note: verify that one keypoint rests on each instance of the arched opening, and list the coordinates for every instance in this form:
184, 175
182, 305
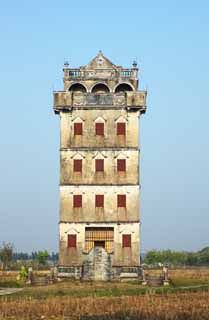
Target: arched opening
100, 88
78, 87
123, 87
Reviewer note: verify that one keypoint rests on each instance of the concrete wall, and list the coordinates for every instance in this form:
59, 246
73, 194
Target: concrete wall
90, 176
121, 256
89, 213
89, 139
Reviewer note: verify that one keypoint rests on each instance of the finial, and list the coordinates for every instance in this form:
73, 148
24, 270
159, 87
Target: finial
134, 64
100, 51
66, 64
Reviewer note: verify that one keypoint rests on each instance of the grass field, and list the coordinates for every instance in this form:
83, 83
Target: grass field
112, 300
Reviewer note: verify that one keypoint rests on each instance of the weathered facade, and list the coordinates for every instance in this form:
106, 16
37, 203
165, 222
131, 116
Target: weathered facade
99, 113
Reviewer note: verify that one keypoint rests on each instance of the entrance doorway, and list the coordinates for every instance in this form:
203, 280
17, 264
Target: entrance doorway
99, 244
99, 237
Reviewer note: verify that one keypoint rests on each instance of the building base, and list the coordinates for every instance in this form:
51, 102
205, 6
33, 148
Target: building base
98, 267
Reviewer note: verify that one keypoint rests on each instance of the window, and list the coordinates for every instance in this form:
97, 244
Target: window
99, 128
99, 164
121, 165
121, 128
77, 165
126, 241
121, 200
71, 241
77, 201
78, 129
99, 201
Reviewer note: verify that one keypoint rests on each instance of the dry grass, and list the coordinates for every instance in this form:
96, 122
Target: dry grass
187, 306
97, 301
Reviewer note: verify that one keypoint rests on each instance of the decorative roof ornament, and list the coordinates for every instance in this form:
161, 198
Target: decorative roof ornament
66, 64
134, 64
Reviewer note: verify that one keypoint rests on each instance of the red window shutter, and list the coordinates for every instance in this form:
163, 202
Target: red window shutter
121, 128
99, 200
71, 241
77, 201
99, 163
77, 165
121, 165
126, 241
121, 200
78, 129
99, 129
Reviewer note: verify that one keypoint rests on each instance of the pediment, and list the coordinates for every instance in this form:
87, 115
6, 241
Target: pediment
100, 62
121, 155
99, 119
78, 155
121, 119
77, 119
99, 155
72, 230
126, 229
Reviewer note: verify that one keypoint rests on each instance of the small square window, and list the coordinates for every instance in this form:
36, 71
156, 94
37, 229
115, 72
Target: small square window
71, 241
99, 201
77, 165
126, 241
99, 128
121, 128
121, 165
78, 129
121, 200
99, 164
77, 201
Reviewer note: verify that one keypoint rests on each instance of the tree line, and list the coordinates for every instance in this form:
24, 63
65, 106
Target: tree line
11, 259
177, 258
14, 260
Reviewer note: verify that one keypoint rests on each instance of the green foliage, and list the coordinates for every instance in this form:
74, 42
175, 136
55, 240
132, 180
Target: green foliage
42, 257
6, 252
200, 258
23, 273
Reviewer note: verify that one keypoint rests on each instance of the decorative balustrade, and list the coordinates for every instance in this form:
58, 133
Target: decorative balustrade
100, 73
126, 73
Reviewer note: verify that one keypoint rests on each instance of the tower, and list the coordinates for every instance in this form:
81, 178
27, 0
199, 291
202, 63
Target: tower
99, 112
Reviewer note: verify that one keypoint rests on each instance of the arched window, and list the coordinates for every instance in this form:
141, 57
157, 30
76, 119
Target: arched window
123, 87
78, 87
100, 88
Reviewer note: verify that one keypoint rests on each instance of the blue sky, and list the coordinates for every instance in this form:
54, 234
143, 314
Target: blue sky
169, 39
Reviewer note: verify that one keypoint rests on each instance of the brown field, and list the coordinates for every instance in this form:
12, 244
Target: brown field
80, 300
194, 306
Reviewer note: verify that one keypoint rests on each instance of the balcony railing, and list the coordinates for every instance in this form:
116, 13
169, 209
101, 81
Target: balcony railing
100, 73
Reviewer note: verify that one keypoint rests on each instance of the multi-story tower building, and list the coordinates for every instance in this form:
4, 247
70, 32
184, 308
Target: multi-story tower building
99, 113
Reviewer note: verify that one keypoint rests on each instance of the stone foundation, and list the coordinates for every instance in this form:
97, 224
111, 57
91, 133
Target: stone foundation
98, 267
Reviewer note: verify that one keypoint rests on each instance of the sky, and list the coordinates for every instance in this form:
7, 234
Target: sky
169, 39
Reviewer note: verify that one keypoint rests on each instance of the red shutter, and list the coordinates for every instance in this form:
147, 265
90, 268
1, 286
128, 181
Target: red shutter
78, 129
99, 129
99, 163
71, 241
77, 201
121, 165
77, 165
121, 200
99, 200
126, 241
121, 128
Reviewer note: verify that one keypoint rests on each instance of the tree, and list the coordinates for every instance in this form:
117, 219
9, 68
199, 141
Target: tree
6, 252
42, 257
204, 256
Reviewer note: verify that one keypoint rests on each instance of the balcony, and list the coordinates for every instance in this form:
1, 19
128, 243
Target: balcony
78, 74
66, 100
